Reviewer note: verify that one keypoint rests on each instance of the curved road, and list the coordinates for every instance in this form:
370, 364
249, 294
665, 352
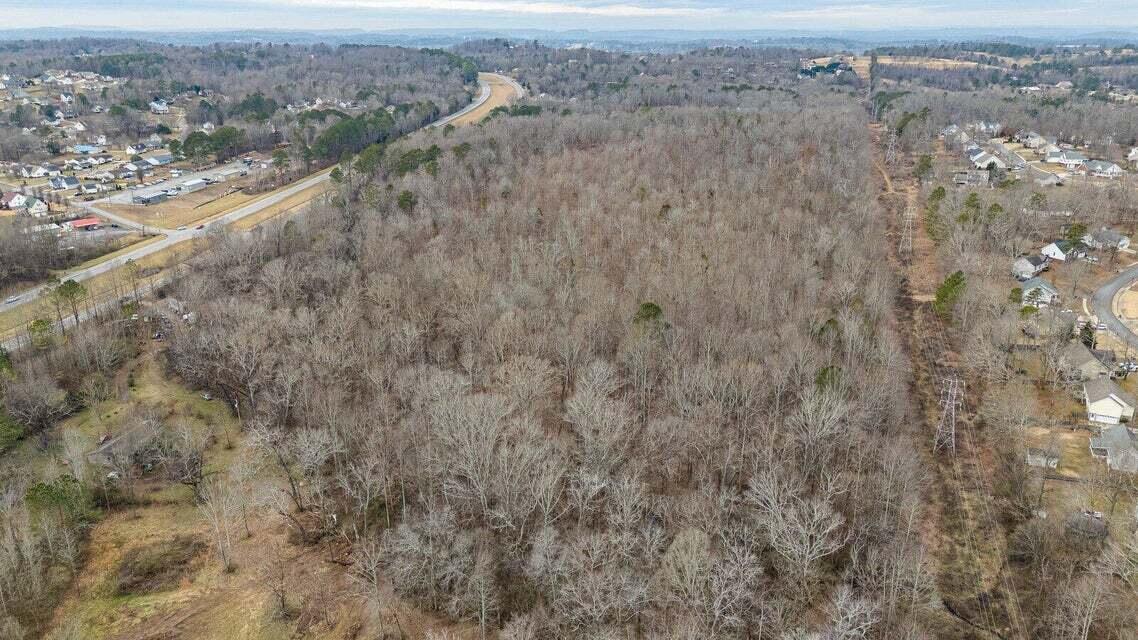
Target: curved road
1102, 305
174, 237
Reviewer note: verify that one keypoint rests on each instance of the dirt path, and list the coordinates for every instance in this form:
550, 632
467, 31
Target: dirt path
966, 545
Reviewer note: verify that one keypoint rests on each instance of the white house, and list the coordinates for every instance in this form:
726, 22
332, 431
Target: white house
1106, 239
159, 106
1133, 155
13, 200
29, 171
987, 161
1106, 402
63, 183
1038, 292
1028, 267
1104, 169
35, 207
1060, 250
1069, 159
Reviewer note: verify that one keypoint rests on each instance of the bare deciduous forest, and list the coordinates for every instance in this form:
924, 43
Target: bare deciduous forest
634, 359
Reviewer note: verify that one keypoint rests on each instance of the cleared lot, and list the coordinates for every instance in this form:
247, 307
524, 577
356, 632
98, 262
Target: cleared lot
187, 209
501, 94
283, 207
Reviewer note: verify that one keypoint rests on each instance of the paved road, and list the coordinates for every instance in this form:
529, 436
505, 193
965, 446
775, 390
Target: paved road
1102, 305
174, 237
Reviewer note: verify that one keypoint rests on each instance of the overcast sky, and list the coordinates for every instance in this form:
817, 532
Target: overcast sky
568, 14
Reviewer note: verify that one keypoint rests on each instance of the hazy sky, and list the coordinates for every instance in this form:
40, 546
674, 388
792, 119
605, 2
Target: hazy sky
567, 14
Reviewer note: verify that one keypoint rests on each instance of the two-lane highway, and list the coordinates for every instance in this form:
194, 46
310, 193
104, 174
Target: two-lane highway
173, 237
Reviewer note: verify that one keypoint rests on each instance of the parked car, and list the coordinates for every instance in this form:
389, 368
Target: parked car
11, 299
182, 228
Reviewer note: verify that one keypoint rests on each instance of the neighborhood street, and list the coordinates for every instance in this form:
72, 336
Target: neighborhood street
173, 237
1102, 304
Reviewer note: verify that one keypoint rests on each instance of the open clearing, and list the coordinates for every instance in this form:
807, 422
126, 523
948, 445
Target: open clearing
939, 64
188, 209
285, 206
501, 94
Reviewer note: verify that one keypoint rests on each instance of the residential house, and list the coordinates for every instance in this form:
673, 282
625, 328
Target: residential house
1133, 155
29, 171
1063, 250
1050, 180
1080, 363
86, 149
1116, 444
1064, 85
971, 178
986, 160
1107, 403
1104, 169
1028, 267
52, 169
1106, 239
159, 107
159, 159
1038, 292
35, 207
1070, 160
90, 188
1035, 141
13, 200
62, 183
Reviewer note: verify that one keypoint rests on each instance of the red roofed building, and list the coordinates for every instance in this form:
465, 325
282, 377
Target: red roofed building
85, 224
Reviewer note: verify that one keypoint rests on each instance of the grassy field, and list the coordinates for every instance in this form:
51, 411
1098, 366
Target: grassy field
188, 209
113, 284
203, 601
501, 94
288, 205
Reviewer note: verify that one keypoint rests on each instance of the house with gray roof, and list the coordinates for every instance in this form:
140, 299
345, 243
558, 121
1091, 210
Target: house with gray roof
1107, 403
1038, 292
1117, 445
1081, 363
1106, 239
1028, 267
1104, 169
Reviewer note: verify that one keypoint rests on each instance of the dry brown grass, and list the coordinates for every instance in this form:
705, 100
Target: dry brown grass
188, 209
107, 286
288, 205
501, 94
939, 64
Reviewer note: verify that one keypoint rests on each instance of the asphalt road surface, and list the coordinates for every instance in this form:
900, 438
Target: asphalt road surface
174, 237
1102, 305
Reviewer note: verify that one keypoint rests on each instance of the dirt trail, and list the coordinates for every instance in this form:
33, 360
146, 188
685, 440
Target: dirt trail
966, 544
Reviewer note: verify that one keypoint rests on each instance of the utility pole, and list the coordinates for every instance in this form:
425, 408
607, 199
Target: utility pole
951, 399
905, 249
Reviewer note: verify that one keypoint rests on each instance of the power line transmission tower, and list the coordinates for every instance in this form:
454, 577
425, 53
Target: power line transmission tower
951, 399
891, 149
906, 246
